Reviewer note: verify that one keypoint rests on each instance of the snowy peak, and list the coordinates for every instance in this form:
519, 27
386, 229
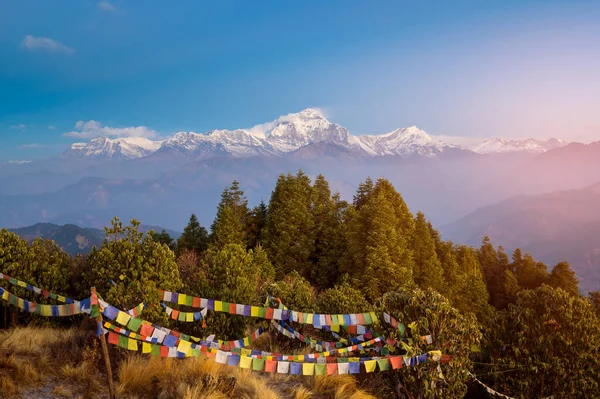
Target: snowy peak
118, 149
406, 141
293, 131
498, 146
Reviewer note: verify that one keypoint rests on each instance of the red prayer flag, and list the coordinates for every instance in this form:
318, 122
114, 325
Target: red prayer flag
332, 368
147, 330
396, 362
164, 351
269, 314
360, 319
175, 314
113, 338
232, 308
271, 366
196, 302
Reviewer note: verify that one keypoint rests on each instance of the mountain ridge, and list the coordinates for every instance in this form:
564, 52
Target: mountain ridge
289, 133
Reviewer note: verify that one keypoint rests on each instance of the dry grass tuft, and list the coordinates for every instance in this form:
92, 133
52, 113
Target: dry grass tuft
33, 341
339, 386
7, 387
361, 395
62, 392
303, 393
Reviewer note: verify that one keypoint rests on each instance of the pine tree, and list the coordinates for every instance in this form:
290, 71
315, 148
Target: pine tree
511, 289
163, 238
289, 236
493, 271
194, 237
531, 274
230, 224
378, 256
363, 191
256, 223
473, 295
329, 243
562, 276
428, 271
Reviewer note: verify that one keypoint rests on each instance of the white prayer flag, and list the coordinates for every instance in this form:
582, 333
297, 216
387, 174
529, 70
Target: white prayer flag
283, 367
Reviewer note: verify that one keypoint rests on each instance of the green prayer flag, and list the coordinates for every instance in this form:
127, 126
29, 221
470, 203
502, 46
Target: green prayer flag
401, 328
262, 312
258, 364
155, 350
384, 364
189, 300
123, 342
367, 318
181, 316
320, 369
134, 324
225, 307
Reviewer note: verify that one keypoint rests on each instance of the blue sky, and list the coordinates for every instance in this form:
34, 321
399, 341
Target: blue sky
453, 68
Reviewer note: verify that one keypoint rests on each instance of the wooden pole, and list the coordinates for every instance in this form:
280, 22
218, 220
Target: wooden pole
109, 376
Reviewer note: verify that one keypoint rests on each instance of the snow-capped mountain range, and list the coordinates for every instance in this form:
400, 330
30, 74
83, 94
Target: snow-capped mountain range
289, 133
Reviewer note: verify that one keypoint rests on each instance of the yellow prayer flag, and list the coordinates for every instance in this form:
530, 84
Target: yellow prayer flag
5, 295
335, 327
123, 318
309, 318
245, 351
132, 344
184, 346
61, 298
218, 306
22, 284
189, 317
245, 362
45, 310
326, 354
373, 317
308, 368
370, 365
146, 347
246, 342
181, 298
254, 311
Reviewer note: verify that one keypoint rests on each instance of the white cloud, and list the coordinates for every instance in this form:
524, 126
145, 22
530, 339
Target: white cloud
264, 128
106, 6
45, 43
16, 162
92, 129
29, 146
20, 126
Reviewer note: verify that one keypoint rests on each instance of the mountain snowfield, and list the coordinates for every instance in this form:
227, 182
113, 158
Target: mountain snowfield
289, 133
